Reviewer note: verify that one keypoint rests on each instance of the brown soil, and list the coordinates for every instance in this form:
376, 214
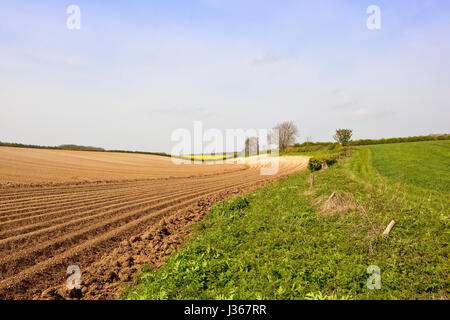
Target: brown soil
107, 228
27, 166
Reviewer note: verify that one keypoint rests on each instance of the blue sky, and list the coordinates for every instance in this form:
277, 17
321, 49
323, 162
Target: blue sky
137, 70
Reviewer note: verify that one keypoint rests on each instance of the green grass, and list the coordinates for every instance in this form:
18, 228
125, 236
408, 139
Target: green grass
279, 242
424, 164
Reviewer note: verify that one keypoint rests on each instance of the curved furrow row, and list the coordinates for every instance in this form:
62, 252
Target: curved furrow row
97, 199
20, 260
58, 189
18, 194
34, 229
81, 198
54, 265
76, 201
34, 202
36, 193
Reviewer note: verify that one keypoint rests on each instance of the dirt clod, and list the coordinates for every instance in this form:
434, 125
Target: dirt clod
135, 239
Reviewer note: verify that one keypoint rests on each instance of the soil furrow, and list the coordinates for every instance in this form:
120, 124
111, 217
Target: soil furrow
141, 212
19, 260
94, 247
34, 230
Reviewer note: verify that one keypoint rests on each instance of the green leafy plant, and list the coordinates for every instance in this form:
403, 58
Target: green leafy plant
343, 136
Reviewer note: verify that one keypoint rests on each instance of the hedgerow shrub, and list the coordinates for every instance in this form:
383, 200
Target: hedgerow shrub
319, 146
364, 142
316, 163
309, 147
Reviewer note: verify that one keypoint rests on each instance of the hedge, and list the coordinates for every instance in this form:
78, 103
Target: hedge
364, 142
315, 146
316, 163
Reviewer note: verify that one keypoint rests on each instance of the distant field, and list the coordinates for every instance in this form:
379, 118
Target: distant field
27, 165
207, 157
424, 164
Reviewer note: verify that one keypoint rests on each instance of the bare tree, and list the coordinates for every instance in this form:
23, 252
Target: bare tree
343, 136
251, 145
287, 132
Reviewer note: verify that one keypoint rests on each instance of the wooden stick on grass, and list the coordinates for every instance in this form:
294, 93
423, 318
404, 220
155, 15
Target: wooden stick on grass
389, 228
331, 196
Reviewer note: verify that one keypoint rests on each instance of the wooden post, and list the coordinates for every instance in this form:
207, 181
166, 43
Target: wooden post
389, 228
331, 196
311, 180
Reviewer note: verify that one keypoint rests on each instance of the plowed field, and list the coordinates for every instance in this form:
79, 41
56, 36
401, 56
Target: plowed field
107, 213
